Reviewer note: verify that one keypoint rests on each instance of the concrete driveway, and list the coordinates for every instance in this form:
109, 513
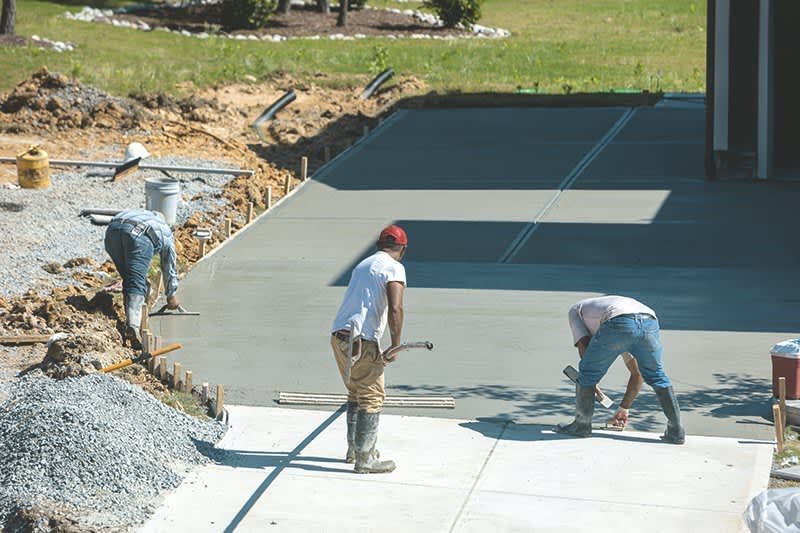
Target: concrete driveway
513, 215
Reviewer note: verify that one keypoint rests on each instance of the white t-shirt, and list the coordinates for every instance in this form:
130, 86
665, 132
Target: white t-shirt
586, 316
365, 305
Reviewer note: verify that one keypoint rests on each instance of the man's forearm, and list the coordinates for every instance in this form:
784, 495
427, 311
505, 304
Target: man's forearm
395, 325
634, 385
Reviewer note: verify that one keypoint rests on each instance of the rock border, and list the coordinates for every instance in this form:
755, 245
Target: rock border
90, 14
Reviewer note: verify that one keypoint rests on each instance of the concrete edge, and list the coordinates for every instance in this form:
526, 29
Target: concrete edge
435, 100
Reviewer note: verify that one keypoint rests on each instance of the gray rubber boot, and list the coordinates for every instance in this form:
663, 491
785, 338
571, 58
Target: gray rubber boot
675, 434
352, 418
367, 461
133, 319
584, 409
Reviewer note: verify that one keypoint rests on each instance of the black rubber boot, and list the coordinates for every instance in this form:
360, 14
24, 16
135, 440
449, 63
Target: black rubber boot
367, 461
584, 409
352, 418
675, 434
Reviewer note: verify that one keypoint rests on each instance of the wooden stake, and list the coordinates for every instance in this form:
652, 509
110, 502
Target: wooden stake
268, 201
228, 228
145, 333
776, 416
287, 186
162, 368
143, 321
204, 394
327, 153
187, 382
304, 168
220, 400
176, 375
250, 212
782, 399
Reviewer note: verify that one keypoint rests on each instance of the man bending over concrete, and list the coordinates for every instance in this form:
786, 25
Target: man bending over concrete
374, 297
602, 329
133, 237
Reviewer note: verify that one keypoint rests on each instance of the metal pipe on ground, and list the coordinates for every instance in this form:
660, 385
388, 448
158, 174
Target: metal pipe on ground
143, 166
270, 111
379, 80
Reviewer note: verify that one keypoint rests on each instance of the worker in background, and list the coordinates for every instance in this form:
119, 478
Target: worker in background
603, 328
133, 237
374, 297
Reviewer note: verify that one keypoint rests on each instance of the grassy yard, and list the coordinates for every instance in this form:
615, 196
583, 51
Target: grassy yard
557, 46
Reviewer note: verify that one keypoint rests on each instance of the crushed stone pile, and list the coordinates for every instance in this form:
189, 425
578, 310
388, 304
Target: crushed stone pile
93, 451
52, 101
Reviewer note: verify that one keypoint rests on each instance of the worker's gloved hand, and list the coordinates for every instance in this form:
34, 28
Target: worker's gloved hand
172, 302
620, 418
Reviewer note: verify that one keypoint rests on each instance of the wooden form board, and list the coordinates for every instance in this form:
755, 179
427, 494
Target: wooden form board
310, 398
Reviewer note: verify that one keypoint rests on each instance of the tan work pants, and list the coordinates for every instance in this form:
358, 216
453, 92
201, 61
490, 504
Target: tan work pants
366, 376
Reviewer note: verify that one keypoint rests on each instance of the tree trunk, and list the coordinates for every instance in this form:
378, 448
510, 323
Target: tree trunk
8, 18
324, 6
283, 6
342, 20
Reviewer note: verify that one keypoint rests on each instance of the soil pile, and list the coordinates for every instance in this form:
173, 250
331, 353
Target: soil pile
52, 101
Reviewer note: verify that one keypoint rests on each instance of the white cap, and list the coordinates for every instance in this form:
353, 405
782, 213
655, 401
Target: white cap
135, 150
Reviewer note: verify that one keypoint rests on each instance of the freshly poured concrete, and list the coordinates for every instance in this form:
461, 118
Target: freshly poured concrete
282, 469
712, 258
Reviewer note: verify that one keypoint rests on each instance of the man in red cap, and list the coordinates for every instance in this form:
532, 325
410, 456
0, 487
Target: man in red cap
374, 298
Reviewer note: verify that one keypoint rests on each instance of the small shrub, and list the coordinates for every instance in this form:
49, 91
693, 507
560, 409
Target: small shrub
247, 14
454, 12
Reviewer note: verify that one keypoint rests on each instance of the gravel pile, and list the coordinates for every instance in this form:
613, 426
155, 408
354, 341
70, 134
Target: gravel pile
95, 449
42, 226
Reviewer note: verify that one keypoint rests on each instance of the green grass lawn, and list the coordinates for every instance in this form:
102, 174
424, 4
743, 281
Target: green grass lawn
557, 46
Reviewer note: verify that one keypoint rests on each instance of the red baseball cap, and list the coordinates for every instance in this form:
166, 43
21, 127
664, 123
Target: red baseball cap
393, 234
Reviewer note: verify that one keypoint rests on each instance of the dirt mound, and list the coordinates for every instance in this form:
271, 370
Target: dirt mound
52, 101
190, 108
78, 355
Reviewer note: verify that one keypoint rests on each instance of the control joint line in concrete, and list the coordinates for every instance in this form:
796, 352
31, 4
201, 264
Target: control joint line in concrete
525, 234
478, 477
291, 456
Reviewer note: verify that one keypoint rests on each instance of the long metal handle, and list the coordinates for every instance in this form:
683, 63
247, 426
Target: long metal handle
388, 355
128, 362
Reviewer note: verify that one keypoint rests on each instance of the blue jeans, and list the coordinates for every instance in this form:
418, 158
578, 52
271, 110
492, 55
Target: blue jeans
131, 256
636, 334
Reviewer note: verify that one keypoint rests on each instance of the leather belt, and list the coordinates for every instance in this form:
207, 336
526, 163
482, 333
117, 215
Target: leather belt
139, 228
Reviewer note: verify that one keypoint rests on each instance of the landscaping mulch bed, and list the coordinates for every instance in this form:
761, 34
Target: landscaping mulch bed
299, 22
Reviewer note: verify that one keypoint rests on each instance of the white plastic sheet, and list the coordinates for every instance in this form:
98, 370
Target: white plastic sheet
774, 511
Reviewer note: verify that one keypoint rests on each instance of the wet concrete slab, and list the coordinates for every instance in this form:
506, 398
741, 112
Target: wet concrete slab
711, 258
283, 470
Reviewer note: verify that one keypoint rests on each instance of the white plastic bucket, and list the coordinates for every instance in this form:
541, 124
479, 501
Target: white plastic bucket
162, 194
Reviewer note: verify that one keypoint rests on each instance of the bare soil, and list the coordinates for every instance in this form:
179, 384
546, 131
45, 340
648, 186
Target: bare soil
70, 120
299, 22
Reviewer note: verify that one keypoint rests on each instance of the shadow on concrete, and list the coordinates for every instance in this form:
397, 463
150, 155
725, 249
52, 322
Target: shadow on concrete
733, 396
264, 460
